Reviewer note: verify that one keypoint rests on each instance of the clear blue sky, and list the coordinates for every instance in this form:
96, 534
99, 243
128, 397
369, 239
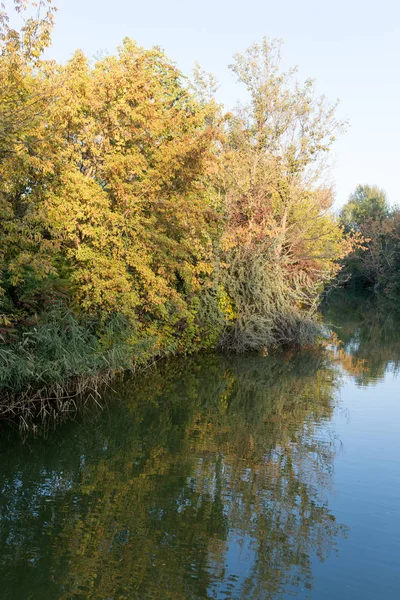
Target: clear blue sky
351, 48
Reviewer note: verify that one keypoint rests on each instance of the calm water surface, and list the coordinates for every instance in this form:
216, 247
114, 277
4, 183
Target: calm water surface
242, 477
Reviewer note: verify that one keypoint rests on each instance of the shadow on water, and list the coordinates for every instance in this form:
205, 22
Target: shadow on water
204, 478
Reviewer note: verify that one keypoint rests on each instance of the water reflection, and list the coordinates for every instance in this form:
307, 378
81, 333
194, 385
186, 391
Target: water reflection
368, 337
207, 479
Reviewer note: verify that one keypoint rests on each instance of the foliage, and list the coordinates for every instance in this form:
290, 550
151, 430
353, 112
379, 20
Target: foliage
281, 242
377, 264
128, 152
26, 92
125, 190
366, 203
266, 306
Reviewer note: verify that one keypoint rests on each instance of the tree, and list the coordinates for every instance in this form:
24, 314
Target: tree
367, 202
26, 93
377, 264
105, 189
125, 192
279, 225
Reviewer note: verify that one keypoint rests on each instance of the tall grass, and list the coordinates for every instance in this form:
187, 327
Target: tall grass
48, 367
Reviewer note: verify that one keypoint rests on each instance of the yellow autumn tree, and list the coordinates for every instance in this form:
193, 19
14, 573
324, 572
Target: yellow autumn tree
25, 95
136, 229
105, 185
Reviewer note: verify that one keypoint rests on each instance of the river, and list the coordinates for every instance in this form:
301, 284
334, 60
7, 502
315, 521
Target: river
257, 477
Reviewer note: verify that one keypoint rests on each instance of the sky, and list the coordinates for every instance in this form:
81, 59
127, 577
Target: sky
350, 47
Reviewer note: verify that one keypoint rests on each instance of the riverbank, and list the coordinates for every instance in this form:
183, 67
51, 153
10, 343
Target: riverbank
52, 370
63, 362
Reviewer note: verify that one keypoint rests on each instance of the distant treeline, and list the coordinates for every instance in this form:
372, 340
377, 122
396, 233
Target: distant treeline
139, 219
376, 266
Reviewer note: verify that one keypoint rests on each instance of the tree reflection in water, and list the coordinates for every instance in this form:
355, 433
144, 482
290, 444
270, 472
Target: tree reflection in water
367, 336
207, 478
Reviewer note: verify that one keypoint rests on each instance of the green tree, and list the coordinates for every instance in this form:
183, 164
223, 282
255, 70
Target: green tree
377, 264
367, 202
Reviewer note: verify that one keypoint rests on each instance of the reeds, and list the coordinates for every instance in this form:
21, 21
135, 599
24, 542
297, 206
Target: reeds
59, 364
